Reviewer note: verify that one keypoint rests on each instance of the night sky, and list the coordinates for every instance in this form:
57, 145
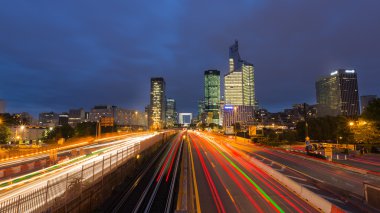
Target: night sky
56, 55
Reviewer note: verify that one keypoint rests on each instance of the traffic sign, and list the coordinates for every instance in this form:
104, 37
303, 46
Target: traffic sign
106, 121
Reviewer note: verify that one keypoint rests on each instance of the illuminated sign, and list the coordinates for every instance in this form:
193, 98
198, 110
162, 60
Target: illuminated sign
228, 107
334, 73
350, 71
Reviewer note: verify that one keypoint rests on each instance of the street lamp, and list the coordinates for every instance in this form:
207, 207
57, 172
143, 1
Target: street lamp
351, 123
22, 127
337, 141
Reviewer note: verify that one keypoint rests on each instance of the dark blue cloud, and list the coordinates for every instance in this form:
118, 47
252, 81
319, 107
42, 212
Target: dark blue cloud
58, 55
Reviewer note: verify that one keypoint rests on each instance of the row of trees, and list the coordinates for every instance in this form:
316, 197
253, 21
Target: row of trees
363, 129
80, 130
65, 131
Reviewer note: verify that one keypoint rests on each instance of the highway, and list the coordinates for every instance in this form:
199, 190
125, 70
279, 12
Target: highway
53, 179
342, 187
153, 190
226, 182
66, 149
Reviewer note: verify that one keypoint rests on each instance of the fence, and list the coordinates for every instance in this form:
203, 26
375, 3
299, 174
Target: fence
82, 185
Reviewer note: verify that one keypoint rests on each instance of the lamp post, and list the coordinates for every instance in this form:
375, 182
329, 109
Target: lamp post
22, 127
135, 123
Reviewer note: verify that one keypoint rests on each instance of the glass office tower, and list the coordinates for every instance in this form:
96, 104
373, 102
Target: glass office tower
212, 95
337, 94
157, 103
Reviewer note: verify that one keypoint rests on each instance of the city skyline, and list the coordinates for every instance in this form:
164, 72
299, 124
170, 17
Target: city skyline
74, 65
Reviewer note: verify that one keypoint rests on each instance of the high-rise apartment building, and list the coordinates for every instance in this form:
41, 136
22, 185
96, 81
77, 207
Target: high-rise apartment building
157, 103
365, 100
212, 96
239, 86
171, 112
337, 94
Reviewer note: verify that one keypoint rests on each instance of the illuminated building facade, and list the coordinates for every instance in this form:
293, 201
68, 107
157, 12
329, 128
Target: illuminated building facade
239, 83
157, 103
338, 94
233, 88
212, 96
248, 85
238, 114
171, 113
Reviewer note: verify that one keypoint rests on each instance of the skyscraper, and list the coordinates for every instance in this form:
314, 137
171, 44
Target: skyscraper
212, 96
157, 103
171, 112
234, 59
248, 85
233, 88
239, 83
337, 94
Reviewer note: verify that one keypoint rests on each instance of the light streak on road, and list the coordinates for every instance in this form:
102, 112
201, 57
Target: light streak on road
31, 184
242, 183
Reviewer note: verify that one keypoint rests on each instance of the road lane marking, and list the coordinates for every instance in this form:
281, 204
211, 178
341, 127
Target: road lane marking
232, 199
212, 164
297, 178
332, 199
308, 186
350, 185
197, 203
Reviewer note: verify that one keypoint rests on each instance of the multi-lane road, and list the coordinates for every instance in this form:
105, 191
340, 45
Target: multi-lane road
198, 172
115, 152
342, 187
226, 182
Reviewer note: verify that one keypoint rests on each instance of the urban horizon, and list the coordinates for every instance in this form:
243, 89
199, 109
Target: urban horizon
190, 106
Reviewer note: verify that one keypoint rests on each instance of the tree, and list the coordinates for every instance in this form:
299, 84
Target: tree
85, 129
5, 133
372, 112
365, 132
271, 134
288, 135
65, 131
325, 128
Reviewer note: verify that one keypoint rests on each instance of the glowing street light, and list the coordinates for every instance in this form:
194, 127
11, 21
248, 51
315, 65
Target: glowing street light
351, 123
